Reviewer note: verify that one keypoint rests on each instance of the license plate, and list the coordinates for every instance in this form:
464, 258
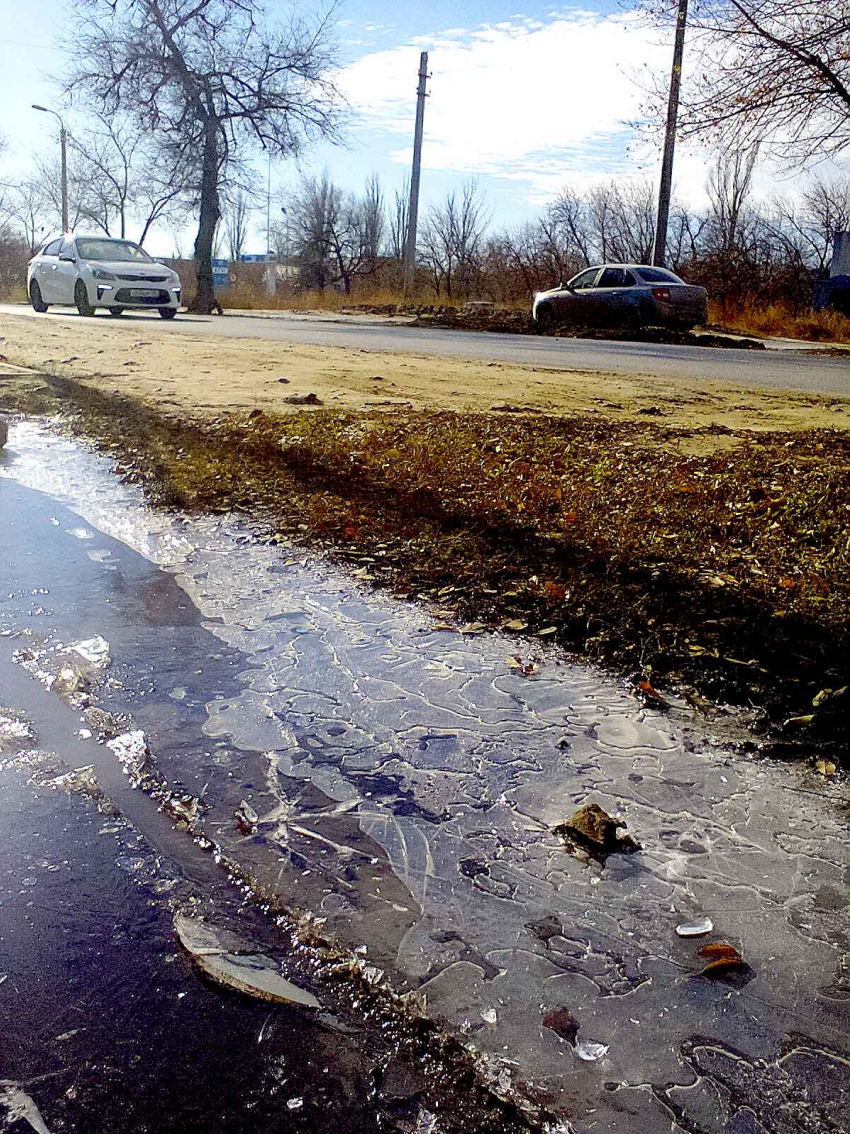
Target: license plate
142, 292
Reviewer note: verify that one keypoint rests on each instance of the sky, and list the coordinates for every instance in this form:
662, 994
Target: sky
522, 97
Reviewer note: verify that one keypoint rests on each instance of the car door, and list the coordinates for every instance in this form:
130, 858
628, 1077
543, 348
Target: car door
575, 304
45, 271
614, 298
66, 272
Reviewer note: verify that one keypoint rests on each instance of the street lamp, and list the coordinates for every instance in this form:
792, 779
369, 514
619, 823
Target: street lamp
63, 138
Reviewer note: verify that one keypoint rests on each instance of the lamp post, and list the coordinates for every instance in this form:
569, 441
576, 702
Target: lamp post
63, 140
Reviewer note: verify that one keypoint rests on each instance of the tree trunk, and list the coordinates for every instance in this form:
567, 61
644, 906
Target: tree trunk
205, 301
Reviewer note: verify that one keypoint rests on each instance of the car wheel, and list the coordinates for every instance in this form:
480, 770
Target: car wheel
544, 317
81, 298
167, 312
116, 310
36, 298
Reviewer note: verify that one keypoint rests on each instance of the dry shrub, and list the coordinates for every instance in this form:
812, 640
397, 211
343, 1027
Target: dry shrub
781, 321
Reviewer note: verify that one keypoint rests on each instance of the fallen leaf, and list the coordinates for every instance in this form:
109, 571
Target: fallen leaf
721, 956
799, 722
718, 966
556, 591
514, 624
562, 1022
651, 695
825, 767
720, 949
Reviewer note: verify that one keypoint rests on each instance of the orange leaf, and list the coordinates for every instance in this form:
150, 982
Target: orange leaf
570, 517
718, 966
719, 949
556, 591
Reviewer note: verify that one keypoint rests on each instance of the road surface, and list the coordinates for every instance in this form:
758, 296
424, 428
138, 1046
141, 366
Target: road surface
773, 369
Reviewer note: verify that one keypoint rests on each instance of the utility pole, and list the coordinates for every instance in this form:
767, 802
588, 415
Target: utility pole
270, 272
659, 244
413, 211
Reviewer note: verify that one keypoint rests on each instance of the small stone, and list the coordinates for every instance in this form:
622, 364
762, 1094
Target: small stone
597, 831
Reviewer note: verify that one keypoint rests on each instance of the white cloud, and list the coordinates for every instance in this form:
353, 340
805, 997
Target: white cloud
525, 100
533, 103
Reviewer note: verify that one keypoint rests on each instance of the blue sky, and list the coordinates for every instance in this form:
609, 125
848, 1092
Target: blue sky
523, 97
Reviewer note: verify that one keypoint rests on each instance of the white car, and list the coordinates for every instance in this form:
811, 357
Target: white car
99, 271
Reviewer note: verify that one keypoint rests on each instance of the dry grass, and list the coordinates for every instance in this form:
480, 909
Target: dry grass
778, 320
249, 298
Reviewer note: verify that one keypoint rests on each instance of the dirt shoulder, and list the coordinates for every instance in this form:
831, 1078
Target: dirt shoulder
696, 540
205, 378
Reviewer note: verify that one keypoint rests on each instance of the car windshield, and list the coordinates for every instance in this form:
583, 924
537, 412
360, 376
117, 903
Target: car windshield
94, 249
657, 275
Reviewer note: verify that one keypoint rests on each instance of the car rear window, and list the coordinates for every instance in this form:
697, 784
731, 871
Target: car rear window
657, 275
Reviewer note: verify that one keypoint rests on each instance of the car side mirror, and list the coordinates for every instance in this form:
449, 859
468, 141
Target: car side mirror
67, 260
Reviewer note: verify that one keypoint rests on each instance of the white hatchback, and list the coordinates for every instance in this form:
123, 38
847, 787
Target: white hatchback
99, 271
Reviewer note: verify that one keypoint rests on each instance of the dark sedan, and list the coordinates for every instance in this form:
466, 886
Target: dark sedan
622, 295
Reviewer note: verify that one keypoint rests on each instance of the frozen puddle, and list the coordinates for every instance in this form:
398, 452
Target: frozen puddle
405, 784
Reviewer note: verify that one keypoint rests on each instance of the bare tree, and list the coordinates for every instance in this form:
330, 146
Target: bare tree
399, 220
569, 212
337, 234
774, 73
121, 181
32, 211
728, 187
236, 223
374, 219
451, 240
209, 77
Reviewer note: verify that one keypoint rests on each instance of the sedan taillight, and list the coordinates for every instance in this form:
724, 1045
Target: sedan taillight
662, 293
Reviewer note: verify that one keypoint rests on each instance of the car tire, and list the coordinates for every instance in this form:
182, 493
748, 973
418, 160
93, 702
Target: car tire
81, 298
544, 317
116, 311
36, 298
167, 312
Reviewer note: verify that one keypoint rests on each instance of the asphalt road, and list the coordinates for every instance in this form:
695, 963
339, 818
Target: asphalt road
771, 369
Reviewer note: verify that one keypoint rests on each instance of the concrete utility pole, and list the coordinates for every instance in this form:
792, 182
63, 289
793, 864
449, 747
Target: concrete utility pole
270, 271
413, 211
63, 143
659, 245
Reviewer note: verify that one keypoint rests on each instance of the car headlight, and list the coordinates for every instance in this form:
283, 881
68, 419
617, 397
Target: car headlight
102, 274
